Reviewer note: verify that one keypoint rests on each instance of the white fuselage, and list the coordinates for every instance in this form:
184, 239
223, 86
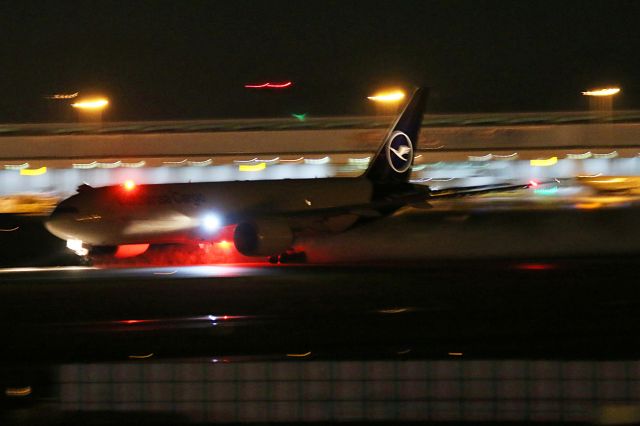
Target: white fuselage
174, 213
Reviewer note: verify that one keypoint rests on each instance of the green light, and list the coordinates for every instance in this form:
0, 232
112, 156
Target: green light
300, 117
546, 191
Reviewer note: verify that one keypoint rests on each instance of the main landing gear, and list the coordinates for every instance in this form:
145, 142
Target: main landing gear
288, 257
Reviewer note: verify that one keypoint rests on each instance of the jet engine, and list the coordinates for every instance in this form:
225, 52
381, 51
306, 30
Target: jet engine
262, 237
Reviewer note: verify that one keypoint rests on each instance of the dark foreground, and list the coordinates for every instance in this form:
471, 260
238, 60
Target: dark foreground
570, 308
446, 341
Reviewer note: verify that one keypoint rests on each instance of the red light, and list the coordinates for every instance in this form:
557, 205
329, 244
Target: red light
129, 185
535, 266
533, 183
269, 85
130, 250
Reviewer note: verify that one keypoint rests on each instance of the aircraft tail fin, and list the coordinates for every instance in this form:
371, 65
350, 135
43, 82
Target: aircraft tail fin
392, 163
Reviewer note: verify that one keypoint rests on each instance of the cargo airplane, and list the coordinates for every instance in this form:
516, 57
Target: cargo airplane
266, 216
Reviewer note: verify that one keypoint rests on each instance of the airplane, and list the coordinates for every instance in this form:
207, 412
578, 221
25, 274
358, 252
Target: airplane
266, 216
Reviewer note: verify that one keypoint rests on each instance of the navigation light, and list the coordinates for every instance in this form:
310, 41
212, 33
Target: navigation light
77, 246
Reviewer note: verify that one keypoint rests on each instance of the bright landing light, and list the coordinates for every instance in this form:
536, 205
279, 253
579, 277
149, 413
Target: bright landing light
77, 246
211, 222
610, 91
91, 104
129, 185
393, 96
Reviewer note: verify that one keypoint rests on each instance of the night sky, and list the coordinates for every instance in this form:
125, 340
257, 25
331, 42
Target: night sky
190, 59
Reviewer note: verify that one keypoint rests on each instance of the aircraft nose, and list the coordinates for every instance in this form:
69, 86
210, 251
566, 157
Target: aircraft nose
60, 220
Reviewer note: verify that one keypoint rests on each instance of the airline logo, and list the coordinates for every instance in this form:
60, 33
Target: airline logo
399, 152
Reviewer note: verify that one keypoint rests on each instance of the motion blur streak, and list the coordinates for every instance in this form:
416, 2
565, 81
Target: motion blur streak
33, 172
579, 156
588, 206
394, 96
544, 162
612, 180
304, 355
141, 356
18, 392
252, 167
16, 166
175, 222
91, 104
323, 160
269, 85
62, 96
46, 269
535, 266
602, 92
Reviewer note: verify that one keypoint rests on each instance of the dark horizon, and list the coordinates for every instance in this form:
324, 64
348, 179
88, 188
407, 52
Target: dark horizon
190, 60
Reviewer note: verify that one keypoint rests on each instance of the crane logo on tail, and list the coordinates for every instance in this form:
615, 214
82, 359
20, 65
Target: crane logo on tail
399, 152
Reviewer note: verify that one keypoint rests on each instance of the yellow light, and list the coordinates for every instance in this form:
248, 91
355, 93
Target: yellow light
18, 392
544, 162
306, 354
91, 104
252, 167
141, 356
609, 91
392, 96
129, 185
224, 244
33, 172
588, 206
612, 180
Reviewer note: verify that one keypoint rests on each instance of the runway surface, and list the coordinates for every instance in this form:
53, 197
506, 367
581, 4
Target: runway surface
577, 308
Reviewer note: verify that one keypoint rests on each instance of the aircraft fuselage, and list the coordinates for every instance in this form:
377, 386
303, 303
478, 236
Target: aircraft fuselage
177, 213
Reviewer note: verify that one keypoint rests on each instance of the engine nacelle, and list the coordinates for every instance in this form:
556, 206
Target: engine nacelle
262, 237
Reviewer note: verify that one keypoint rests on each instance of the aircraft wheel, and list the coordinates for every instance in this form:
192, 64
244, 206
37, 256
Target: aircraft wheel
273, 259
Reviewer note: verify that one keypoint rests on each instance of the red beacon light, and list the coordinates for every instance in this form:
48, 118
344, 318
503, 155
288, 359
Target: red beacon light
534, 183
129, 185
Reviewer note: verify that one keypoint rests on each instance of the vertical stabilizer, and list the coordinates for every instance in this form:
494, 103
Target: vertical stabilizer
392, 163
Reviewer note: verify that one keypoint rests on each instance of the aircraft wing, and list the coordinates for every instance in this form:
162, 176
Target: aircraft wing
375, 208
466, 191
